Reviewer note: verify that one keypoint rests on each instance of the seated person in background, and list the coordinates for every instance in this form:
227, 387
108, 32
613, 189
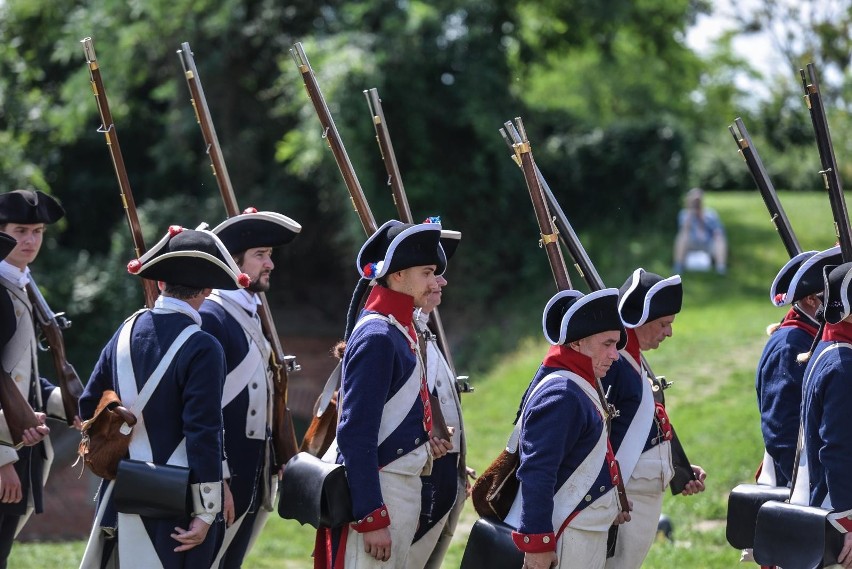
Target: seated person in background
699, 229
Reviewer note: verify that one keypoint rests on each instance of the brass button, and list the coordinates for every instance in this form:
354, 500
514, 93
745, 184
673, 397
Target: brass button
603, 488
205, 489
384, 513
588, 498
254, 385
417, 441
251, 433
546, 539
252, 412
399, 451
369, 519
526, 539
210, 506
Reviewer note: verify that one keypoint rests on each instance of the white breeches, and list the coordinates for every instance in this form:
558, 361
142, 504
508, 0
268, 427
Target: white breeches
581, 549
401, 493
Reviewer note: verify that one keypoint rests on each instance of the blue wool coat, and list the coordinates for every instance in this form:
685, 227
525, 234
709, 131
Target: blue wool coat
778, 384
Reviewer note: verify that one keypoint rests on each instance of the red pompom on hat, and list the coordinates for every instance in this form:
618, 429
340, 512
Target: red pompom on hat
250, 210
134, 266
175, 229
244, 280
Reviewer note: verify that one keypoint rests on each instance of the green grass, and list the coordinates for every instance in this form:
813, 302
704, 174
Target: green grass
711, 359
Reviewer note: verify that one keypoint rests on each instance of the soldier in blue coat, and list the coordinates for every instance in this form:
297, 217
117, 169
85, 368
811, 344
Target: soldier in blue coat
181, 422
446, 487
641, 433
567, 501
799, 285
823, 478
231, 317
384, 433
24, 214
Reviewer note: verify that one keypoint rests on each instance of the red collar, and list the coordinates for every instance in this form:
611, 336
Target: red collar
570, 359
840, 332
391, 303
632, 346
796, 319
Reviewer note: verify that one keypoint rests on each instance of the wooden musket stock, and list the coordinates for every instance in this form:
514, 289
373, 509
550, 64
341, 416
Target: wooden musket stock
16, 410
52, 326
767, 189
283, 431
109, 131
830, 174
403, 210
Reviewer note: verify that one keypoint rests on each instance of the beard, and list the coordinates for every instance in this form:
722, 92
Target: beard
257, 285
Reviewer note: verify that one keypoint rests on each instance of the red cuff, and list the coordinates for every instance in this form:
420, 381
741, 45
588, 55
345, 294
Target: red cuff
534, 542
842, 521
377, 519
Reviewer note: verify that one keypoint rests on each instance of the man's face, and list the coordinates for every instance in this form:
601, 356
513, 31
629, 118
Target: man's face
418, 282
257, 264
29, 236
601, 348
435, 297
651, 334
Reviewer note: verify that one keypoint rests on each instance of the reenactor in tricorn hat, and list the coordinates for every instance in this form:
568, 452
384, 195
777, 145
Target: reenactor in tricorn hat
799, 285
231, 317
181, 423
24, 214
567, 499
826, 460
640, 432
385, 427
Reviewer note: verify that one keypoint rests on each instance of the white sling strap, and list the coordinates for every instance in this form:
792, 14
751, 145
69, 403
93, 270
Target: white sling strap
140, 446
637, 433
258, 350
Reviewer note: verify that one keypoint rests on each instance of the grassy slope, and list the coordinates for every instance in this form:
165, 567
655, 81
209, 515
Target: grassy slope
719, 335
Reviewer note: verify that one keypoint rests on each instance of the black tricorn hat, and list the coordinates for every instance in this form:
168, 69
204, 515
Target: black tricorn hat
254, 228
396, 246
781, 284
645, 296
450, 242
570, 316
7, 243
28, 206
192, 258
837, 281
808, 278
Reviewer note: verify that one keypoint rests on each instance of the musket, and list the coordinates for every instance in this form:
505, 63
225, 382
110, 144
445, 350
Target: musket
17, 412
332, 138
404, 211
764, 184
52, 325
588, 272
283, 431
108, 129
830, 174
550, 242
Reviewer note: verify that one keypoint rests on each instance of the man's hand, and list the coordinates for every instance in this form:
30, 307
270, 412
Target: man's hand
193, 536
623, 517
35, 435
10, 485
440, 447
377, 544
469, 480
78, 423
544, 560
697, 485
845, 557
228, 510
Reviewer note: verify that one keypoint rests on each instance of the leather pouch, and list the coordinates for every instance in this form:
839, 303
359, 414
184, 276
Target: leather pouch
151, 490
495, 489
743, 504
795, 537
315, 492
490, 545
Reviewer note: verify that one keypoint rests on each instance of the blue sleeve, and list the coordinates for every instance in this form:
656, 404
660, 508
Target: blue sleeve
367, 375
545, 436
836, 452
203, 366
